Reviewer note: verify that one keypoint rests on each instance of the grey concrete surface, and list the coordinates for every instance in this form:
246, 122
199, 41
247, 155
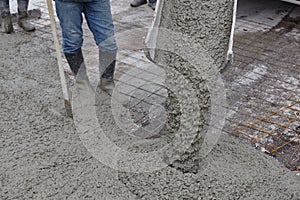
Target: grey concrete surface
43, 156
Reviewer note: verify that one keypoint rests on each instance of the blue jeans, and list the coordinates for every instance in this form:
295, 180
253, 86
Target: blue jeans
152, 1
99, 20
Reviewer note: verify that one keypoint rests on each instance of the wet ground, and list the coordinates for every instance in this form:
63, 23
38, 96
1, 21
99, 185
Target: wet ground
43, 156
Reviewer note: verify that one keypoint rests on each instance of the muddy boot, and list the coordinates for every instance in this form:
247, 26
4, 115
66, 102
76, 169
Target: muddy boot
23, 23
107, 79
6, 24
76, 63
75, 60
136, 3
107, 63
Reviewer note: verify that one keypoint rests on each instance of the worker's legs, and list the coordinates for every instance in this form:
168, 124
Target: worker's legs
6, 23
23, 16
4, 8
70, 18
152, 4
23, 5
99, 19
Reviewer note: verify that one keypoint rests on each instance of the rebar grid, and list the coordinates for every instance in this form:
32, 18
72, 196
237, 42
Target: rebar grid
282, 141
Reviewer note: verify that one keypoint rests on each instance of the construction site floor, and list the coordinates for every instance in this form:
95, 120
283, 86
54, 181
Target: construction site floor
44, 156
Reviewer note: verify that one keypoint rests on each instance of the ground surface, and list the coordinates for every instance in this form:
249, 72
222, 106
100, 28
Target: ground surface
42, 156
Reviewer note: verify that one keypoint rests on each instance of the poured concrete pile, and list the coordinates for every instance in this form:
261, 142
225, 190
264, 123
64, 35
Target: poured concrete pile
191, 45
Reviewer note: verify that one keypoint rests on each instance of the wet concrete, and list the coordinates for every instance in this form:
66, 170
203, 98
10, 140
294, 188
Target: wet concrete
207, 22
228, 172
42, 156
205, 27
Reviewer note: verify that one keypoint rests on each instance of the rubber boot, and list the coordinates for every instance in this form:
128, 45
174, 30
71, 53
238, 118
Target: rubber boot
6, 24
77, 65
23, 23
75, 60
107, 63
136, 3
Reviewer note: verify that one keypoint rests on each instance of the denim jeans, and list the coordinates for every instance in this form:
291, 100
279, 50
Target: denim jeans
99, 20
4, 7
152, 1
